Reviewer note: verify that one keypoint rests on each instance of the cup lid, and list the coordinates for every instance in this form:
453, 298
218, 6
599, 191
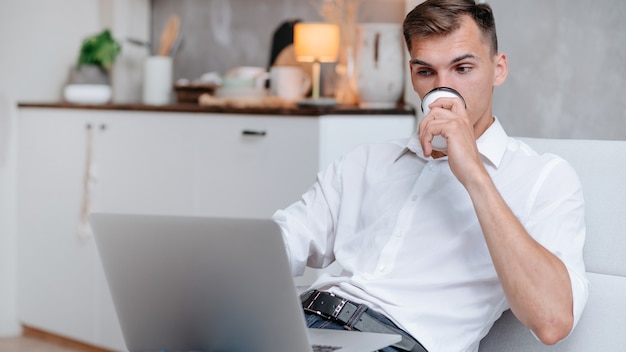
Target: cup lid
444, 92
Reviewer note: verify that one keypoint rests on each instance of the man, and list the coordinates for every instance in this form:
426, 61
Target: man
436, 245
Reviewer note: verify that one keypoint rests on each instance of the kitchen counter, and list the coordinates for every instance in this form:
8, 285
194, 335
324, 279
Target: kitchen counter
194, 108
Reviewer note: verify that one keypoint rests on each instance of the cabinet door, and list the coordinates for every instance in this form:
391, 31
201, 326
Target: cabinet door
140, 163
143, 163
250, 166
56, 281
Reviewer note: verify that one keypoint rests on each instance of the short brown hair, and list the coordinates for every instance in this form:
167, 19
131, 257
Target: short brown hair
442, 17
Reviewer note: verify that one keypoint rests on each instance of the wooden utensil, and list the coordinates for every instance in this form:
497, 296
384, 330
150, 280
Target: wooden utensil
168, 36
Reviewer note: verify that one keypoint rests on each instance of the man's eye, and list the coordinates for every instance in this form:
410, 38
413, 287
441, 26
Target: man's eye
424, 73
463, 69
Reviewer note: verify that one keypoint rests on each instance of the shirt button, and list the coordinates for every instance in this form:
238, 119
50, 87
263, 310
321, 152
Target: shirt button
431, 166
414, 198
398, 234
382, 268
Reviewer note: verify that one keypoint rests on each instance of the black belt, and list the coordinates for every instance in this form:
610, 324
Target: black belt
354, 316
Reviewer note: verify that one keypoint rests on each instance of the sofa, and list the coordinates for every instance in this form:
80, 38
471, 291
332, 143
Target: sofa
601, 166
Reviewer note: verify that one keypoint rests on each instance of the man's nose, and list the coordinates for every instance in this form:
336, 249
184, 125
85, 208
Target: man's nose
442, 80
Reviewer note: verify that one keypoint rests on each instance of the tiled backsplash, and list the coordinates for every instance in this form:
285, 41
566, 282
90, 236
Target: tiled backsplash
222, 34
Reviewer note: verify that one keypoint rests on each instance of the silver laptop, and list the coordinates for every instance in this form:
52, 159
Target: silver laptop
209, 284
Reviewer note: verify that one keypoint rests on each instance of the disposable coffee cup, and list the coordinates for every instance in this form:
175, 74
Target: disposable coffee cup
439, 143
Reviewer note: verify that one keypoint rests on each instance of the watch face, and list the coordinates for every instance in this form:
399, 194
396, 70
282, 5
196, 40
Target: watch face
437, 93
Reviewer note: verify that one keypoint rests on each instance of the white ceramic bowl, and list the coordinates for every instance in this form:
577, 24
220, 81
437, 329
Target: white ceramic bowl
87, 93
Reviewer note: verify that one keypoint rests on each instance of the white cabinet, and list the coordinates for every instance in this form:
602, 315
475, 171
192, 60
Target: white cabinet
250, 166
153, 162
57, 278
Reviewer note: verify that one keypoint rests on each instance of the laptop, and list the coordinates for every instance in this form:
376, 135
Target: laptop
209, 284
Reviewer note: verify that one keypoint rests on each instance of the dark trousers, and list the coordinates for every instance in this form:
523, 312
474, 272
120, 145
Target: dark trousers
315, 321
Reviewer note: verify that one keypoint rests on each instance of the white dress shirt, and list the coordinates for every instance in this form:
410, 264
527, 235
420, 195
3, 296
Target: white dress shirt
406, 235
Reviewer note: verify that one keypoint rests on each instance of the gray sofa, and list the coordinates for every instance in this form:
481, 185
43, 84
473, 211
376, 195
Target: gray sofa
601, 166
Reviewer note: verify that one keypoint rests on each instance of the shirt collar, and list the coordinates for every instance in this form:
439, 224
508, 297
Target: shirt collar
491, 144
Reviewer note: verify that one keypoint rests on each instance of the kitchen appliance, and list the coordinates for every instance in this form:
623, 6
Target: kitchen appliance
379, 65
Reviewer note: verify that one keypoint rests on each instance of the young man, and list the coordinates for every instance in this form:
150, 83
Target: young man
436, 245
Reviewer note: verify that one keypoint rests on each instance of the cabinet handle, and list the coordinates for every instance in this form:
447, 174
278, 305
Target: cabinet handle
102, 126
253, 133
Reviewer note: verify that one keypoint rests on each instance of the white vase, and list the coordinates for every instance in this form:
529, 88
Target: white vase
379, 65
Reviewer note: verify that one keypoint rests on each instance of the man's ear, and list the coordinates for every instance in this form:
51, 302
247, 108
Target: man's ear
501, 69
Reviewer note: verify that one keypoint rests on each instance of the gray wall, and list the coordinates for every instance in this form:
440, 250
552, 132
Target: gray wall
567, 68
222, 34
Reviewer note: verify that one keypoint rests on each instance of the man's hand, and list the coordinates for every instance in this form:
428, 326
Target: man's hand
448, 118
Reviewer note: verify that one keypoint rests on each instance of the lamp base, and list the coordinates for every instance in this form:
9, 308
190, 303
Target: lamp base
317, 102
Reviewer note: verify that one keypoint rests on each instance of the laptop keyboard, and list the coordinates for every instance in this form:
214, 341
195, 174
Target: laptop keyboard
325, 348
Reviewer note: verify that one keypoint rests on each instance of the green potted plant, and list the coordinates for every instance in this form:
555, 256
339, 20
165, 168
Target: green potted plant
100, 49
89, 80
96, 57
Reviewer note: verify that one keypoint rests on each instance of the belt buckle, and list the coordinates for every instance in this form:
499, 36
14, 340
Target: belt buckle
335, 312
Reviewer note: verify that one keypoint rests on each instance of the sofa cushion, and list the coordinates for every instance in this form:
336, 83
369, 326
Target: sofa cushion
601, 167
601, 327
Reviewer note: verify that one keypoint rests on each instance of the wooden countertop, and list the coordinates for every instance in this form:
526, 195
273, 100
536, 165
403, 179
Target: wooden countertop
194, 108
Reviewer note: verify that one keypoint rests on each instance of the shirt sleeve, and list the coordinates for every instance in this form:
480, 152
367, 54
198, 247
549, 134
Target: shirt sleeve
308, 225
556, 219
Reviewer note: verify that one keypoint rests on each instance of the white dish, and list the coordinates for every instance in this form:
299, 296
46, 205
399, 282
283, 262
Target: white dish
87, 93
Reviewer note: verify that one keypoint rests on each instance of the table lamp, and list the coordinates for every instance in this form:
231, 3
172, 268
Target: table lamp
316, 43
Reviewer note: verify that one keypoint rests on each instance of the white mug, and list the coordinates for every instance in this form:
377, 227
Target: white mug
289, 82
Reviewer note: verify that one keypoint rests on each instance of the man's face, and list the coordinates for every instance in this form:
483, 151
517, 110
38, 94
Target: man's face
461, 60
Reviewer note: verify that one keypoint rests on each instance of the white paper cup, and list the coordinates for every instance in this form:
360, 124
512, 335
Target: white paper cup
439, 143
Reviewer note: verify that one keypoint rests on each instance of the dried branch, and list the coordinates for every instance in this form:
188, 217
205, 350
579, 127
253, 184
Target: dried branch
343, 13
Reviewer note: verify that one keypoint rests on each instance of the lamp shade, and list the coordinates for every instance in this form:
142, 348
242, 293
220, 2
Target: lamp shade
316, 42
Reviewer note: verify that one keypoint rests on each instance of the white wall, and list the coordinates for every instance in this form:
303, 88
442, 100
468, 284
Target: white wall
41, 40
8, 295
